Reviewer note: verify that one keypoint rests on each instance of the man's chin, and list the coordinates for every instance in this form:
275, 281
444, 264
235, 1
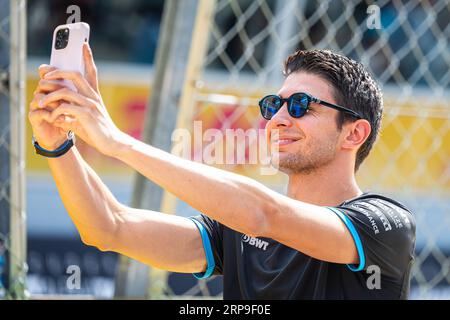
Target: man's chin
281, 162
289, 164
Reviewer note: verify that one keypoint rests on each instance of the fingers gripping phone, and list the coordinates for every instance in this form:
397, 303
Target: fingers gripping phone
67, 48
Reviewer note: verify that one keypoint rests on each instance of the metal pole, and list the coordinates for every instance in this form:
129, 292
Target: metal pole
12, 153
171, 64
131, 273
280, 47
199, 45
4, 148
17, 148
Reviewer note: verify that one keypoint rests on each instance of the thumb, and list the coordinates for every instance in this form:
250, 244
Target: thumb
36, 116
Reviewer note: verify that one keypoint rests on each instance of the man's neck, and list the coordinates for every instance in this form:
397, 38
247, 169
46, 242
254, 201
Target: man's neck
326, 186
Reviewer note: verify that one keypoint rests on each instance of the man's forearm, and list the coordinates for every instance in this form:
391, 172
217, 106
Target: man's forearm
234, 200
88, 201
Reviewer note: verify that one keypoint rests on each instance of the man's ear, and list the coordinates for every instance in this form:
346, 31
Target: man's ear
356, 133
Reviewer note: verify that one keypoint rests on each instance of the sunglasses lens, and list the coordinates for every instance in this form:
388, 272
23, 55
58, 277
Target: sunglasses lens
269, 106
298, 105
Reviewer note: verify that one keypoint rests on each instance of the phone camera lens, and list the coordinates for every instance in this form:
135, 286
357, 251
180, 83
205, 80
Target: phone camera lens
62, 38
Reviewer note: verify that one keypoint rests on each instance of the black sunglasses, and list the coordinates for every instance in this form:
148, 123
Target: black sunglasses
297, 105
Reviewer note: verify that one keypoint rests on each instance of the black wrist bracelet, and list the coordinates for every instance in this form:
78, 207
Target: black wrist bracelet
62, 149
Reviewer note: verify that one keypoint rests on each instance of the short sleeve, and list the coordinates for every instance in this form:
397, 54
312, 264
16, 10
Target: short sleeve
214, 231
385, 231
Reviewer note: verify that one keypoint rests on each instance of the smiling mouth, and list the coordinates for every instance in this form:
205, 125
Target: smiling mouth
284, 142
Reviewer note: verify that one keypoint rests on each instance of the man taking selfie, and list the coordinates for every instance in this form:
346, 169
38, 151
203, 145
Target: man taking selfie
324, 239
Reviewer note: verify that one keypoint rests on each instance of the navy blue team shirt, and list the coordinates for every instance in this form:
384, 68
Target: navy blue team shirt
262, 268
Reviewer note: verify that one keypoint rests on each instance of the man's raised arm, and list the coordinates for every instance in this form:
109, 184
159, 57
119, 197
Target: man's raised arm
160, 240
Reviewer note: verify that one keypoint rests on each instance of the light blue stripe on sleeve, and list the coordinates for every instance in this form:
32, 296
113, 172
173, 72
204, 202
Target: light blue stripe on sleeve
359, 247
210, 263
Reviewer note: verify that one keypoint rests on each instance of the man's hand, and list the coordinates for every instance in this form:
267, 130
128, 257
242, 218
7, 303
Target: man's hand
48, 135
82, 112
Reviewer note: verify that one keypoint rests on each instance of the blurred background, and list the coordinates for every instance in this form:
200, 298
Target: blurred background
235, 51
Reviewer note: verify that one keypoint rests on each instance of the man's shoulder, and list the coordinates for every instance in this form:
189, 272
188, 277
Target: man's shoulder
375, 203
375, 199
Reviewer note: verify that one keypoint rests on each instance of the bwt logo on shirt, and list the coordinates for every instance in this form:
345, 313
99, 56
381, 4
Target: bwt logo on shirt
258, 243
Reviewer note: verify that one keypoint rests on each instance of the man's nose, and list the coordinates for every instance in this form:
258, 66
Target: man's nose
282, 117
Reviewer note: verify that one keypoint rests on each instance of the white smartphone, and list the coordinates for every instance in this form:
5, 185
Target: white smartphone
67, 47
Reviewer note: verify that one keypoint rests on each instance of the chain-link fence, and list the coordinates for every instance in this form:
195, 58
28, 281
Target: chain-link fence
12, 149
405, 44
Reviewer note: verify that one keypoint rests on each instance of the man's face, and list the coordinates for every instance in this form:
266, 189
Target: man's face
310, 142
